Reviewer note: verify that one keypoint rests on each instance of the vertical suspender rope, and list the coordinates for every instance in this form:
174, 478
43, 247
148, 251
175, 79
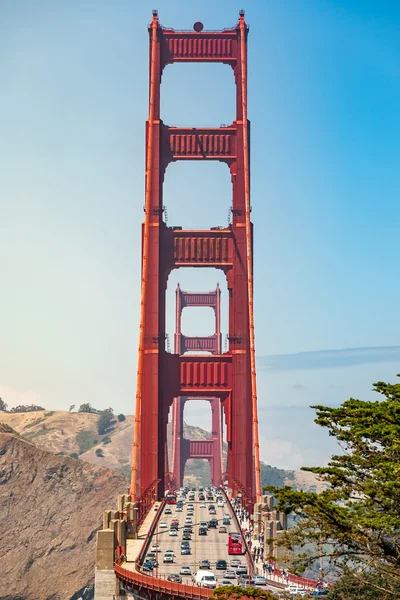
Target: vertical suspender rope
149, 161
249, 258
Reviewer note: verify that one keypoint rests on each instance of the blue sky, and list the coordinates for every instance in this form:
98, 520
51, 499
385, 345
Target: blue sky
324, 93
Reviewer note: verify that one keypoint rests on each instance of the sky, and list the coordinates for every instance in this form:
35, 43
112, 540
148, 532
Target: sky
324, 92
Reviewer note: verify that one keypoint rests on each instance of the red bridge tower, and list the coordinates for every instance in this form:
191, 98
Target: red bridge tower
182, 448
231, 376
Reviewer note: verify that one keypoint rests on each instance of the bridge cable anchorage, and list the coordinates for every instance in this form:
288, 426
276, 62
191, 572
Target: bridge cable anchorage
243, 69
149, 161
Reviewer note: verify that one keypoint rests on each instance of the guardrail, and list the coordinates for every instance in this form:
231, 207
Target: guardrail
138, 580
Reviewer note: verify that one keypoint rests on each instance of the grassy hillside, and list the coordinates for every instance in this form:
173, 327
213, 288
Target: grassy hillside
76, 435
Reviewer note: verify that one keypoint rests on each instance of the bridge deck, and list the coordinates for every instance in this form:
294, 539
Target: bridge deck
213, 546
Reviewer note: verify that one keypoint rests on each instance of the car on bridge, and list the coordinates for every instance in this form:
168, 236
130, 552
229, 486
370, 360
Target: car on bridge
230, 575
235, 562
226, 521
186, 550
204, 564
222, 529
163, 525
155, 548
202, 505
204, 578
173, 532
175, 578
187, 535
212, 524
225, 582
203, 531
260, 580
147, 566
168, 511
168, 558
221, 565
185, 570
241, 570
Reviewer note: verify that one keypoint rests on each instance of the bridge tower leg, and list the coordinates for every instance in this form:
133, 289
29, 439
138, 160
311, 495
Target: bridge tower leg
230, 376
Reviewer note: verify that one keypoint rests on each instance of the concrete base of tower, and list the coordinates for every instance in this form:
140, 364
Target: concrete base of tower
106, 586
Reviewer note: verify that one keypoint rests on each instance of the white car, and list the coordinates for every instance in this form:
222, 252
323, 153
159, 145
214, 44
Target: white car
168, 558
173, 532
156, 548
190, 507
185, 571
179, 509
202, 505
235, 563
162, 525
189, 520
170, 552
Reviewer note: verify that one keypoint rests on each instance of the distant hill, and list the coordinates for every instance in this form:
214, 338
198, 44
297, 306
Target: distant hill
50, 509
76, 434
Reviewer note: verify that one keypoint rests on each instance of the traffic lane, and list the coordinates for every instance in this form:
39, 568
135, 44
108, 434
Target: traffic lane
213, 546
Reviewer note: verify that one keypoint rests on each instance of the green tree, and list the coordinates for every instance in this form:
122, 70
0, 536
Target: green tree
87, 408
3, 405
99, 452
234, 592
120, 417
106, 421
355, 523
26, 408
71, 408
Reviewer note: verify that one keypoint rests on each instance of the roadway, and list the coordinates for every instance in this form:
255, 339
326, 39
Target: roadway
213, 546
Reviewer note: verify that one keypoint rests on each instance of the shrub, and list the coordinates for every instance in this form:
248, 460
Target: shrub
106, 440
99, 453
121, 418
85, 441
74, 455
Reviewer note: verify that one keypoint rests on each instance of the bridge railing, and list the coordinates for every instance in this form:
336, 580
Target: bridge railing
139, 580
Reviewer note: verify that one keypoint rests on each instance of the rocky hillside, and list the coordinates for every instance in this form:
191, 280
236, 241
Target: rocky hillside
76, 434
50, 510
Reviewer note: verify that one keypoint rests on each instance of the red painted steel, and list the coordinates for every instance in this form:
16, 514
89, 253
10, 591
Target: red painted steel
201, 344
182, 449
201, 448
197, 143
229, 377
203, 248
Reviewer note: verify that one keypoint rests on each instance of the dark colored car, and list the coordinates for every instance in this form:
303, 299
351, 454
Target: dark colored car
213, 523
204, 564
174, 577
186, 550
226, 521
203, 531
187, 535
147, 566
221, 564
